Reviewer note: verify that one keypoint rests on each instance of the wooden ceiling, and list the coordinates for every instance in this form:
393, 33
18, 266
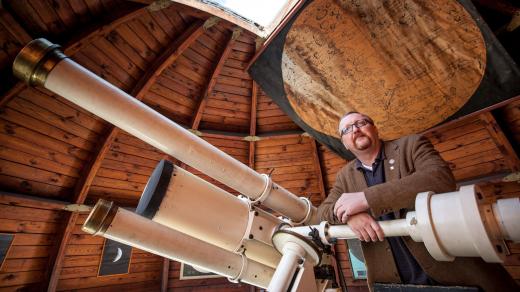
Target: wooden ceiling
190, 68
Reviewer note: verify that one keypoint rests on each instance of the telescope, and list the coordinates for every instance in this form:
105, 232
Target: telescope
184, 218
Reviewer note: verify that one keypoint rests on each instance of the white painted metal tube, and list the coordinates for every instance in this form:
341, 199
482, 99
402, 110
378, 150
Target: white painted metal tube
182, 201
390, 228
82, 87
507, 215
292, 254
398, 227
140, 232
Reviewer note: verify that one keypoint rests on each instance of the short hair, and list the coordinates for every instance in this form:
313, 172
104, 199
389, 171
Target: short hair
355, 112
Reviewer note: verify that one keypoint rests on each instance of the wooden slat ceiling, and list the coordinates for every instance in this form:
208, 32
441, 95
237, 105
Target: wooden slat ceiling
192, 70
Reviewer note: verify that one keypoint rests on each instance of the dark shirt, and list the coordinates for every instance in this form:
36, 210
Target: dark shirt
409, 270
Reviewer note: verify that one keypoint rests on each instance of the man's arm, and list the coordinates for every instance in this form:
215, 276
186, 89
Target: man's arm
432, 173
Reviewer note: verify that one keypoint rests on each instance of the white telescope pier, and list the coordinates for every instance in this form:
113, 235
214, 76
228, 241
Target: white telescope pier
184, 218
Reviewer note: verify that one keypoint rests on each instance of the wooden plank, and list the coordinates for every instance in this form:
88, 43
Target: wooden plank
119, 57
232, 89
128, 167
230, 97
8, 153
480, 170
109, 66
33, 239
66, 111
19, 226
28, 139
117, 184
81, 260
123, 157
467, 150
30, 202
97, 69
317, 165
88, 282
24, 265
502, 142
173, 51
26, 120
24, 213
201, 103
19, 278
26, 172
84, 39
28, 252
122, 175
142, 32
172, 96
164, 276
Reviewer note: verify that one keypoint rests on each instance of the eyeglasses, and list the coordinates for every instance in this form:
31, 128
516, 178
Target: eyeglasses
358, 124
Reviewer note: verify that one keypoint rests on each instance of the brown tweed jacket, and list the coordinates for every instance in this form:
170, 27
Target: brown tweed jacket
417, 167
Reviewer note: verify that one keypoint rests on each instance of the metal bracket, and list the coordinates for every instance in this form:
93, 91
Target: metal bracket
77, 208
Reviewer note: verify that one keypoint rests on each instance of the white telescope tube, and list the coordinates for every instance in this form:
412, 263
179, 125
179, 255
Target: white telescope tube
453, 224
129, 228
390, 228
182, 201
40, 62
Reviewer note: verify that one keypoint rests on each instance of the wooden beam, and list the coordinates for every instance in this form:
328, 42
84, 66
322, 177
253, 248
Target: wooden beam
86, 38
195, 121
12, 199
252, 127
241, 137
13, 27
70, 49
500, 139
319, 173
175, 49
80, 194
473, 114
165, 275
13, 91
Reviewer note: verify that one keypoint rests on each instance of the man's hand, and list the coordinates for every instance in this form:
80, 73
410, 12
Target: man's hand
365, 227
349, 204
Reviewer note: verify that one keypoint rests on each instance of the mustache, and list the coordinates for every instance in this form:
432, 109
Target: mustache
359, 135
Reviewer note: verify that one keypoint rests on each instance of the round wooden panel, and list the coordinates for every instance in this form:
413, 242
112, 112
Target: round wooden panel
407, 64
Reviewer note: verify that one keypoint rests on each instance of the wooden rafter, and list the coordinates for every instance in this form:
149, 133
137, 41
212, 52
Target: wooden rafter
13, 27
165, 273
71, 48
86, 38
317, 163
500, 139
31, 201
168, 57
195, 122
175, 49
252, 128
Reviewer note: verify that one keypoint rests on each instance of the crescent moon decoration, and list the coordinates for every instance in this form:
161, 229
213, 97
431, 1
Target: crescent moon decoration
118, 256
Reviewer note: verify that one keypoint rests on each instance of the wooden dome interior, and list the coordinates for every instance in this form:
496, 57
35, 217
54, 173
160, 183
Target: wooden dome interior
190, 67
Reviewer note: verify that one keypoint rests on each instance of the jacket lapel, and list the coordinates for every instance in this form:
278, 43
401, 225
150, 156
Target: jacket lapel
391, 161
358, 179
392, 166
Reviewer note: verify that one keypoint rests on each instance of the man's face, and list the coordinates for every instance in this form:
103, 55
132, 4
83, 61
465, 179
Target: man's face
360, 138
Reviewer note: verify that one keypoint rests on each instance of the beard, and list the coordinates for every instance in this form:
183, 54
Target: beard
362, 142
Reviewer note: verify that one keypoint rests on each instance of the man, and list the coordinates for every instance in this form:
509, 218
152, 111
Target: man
381, 184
